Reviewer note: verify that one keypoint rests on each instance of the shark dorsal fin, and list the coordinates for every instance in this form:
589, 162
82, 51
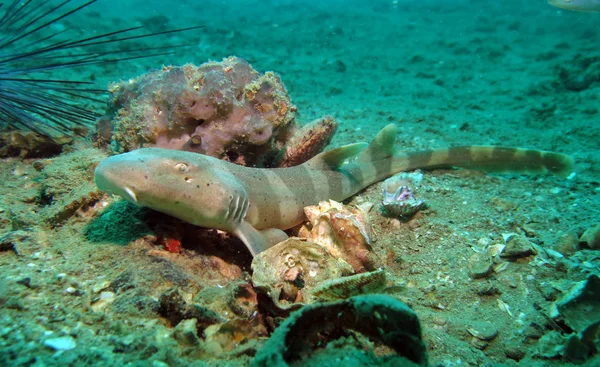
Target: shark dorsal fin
334, 158
382, 146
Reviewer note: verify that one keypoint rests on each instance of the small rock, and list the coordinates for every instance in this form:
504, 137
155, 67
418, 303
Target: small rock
515, 353
101, 286
487, 289
483, 330
38, 165
186, 332
71, 290
580, 307
567, 243
503, 205
25, 281
480, 264
479, 344
61, 343
105, 299
591, 238
551, 345
518, 247
533, 229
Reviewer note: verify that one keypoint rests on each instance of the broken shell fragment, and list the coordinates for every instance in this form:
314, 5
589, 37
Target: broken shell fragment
345, 232
353, 285
308, 141
580, 307
399, 200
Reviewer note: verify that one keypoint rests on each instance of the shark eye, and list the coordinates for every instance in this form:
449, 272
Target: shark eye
181, 167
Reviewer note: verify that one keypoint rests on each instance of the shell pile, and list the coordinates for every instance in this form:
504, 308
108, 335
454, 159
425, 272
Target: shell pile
335, 262
345, 232
288, 271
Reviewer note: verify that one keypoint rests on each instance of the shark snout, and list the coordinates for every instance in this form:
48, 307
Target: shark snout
114, 177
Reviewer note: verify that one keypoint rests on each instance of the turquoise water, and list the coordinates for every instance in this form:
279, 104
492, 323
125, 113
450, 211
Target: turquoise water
91, 279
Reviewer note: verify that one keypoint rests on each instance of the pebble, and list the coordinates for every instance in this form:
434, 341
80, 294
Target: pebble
480, 264
186, 332
567, 243
100, 286
533, 229
479, 344
106, 298
514, 353
518, 247
487, 289
38, 165
61, 343
483, 330
503, 205
591, 238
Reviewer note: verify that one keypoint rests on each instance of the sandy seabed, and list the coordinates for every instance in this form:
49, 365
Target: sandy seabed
447, 73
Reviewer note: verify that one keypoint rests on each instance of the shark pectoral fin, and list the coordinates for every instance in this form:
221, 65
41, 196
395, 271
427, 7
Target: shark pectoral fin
256, 241
274, 235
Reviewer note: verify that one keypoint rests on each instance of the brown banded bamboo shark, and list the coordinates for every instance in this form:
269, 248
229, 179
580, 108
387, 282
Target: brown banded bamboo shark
256, 204
588, 6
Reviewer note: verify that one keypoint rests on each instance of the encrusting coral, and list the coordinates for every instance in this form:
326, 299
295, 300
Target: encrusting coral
380, 317
288, 271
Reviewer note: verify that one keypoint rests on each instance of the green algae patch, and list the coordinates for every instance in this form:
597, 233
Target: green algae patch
120, 223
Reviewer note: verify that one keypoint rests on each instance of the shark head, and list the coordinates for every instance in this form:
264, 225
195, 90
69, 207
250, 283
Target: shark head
181, 184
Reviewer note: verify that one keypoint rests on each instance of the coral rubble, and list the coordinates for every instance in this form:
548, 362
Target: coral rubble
288, 271
345, 232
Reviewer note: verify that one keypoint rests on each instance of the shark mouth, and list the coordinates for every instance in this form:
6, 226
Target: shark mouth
131, 194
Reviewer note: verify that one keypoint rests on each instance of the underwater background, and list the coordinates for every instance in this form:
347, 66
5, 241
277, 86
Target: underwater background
501, 270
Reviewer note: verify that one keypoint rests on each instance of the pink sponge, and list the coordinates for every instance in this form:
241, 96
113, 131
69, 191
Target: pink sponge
224, 109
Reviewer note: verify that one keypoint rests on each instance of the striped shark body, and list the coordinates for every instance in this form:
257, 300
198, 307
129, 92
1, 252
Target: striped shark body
255, 204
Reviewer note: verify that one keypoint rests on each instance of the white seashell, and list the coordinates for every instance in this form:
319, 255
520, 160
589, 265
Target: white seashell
504, 307
496, 249
500, 267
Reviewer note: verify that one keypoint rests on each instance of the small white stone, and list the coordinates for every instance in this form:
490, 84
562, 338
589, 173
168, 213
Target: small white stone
61, 343
100, 286
71, 290
105, 299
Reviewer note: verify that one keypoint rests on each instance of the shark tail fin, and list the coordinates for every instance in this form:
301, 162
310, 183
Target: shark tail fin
492, 159
382, 154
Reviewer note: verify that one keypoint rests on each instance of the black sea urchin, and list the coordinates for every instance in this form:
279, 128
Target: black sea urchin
33, 51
